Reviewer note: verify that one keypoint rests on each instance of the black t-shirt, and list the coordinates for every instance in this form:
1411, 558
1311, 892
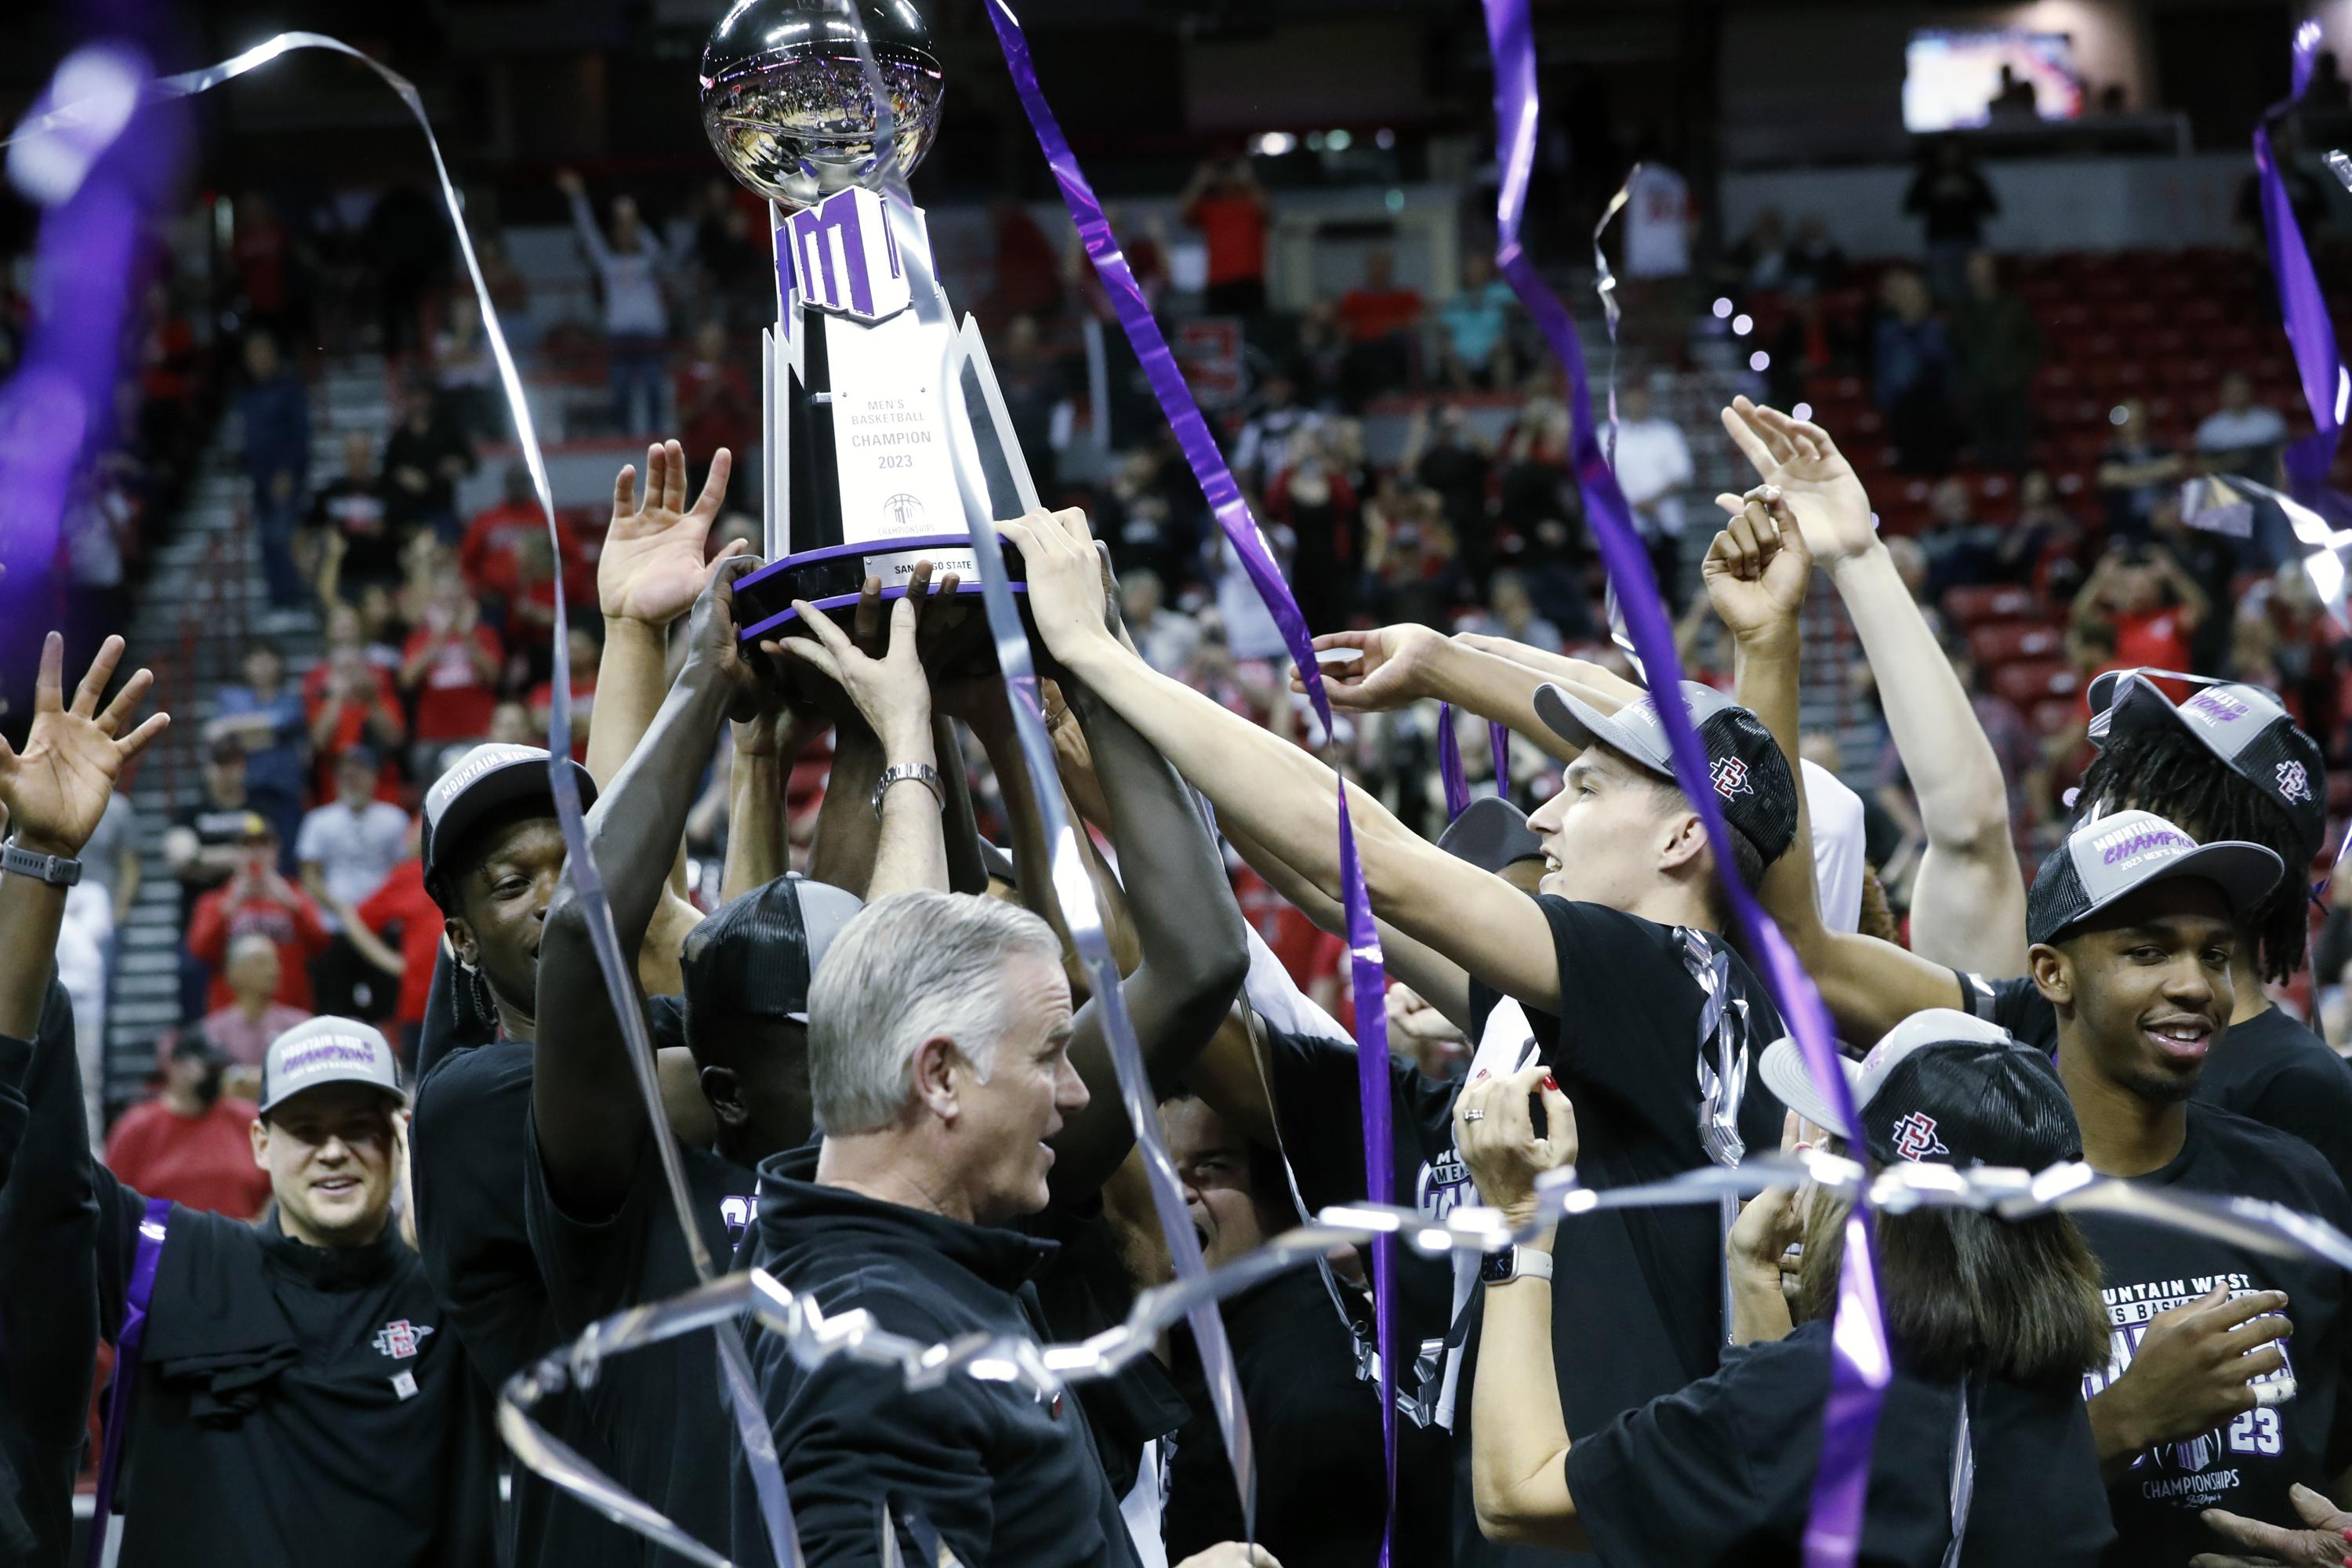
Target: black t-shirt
215, 826
1722, 1472
295, 1404
1005, 1478
660, 1409
355, 510
48, 1325
2270, 1068
2247, 1465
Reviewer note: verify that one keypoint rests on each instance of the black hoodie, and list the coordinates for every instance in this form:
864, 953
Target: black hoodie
1002, 1477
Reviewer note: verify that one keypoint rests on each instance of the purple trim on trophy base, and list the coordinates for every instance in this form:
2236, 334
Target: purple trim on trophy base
834, 552
842, 601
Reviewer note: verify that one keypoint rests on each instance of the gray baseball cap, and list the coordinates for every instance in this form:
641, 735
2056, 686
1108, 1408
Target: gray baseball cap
326, 1050
1491, 833
2246, 727
2114, 857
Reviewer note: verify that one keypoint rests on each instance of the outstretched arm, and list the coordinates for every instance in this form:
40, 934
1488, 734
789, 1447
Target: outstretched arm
588, 1116
1968, 903
1756, 575
1278, 794
1189, 935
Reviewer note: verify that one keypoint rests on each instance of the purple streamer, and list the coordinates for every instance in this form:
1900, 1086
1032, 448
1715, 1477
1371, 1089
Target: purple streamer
2302, 307
1449, 761
127, 1339
1859, 1366
1241, 529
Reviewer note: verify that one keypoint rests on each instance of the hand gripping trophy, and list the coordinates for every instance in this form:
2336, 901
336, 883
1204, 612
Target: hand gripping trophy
885, 435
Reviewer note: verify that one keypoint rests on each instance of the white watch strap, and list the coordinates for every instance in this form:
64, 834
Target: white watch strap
1528, 1263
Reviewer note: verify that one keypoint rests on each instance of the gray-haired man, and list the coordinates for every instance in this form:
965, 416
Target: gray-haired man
939, 1029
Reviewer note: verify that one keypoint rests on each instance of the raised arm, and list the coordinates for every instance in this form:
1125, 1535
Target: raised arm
1276, 793
1189, 935
584, 220
589, 1117
1756, 575
1968, 903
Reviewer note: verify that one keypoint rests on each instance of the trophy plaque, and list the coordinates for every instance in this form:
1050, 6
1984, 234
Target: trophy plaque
870, 387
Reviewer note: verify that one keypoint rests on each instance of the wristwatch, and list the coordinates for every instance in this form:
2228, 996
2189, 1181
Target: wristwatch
57, 870
899, 773
1514, 1263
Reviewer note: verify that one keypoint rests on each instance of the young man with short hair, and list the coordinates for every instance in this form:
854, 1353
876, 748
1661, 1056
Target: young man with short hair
1635, 1001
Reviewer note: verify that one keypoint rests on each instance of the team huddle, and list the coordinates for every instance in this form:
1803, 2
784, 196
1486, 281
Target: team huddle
893, 1092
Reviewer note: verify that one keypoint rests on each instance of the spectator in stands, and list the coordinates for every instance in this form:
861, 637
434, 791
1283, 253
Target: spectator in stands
1319, 355
2206, 558
1381, 318
1036, 383
1326, 515
242, 1028
1510, 612
585, 649
1761, 260
2154, 605
258, 898
349, 545
530, 615
1657, 219
1538, 514
191, 1144
1166, 637
1815, 260
1138, 521
1999, 348
1952, 201
355, 706
2012, 103
628, 268
402, 910
716, 404
465, 372
1443, 453
2042, 549
200, 848
511, 725
423, 461
1911, 374
1410, 569
1962, 548
486, 554
111, 859
2136, 472
1654, 467
1264, 442
275, 411
1233, 212
347, 848
450, 670
263, 254
2241, 436
1476, 320
265, 716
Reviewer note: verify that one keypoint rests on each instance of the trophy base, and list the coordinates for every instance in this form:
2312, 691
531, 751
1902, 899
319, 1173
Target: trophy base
834, 578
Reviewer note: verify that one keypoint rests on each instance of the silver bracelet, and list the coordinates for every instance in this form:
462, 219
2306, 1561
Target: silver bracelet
899, 773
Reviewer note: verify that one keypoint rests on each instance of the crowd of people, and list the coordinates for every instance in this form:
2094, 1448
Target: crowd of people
891, 1088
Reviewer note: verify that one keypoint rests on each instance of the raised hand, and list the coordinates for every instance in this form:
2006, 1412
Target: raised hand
892, 693
1758, 568
1496, 1133
1393, 670
2320, 1545
710, 642
1065, 578
1819, 487
56, 789
653, 567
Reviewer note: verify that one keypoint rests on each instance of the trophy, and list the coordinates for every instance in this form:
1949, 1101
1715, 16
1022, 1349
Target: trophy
871, 393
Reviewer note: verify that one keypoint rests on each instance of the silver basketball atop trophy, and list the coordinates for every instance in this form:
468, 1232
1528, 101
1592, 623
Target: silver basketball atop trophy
785, 98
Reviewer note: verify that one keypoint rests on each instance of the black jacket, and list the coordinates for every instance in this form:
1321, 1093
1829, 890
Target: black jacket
1004, 1478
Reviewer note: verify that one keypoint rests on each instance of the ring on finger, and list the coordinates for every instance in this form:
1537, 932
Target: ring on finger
1472, 1114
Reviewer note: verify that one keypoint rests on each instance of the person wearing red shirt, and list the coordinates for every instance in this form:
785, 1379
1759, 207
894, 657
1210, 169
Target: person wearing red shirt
1379, 319
258, 898
350, 703
403, 902
1229, 208
191, 1144
451, 668
485, 555
2154, 605
715, 405
586, 651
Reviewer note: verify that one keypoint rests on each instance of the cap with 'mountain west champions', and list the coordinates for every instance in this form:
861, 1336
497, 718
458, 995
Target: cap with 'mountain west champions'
2113, 856
1752, 778
326, 1050
484, 780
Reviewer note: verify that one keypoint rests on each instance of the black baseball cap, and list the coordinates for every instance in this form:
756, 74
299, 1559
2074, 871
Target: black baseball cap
484, 780
755, 956
2113, 856
1491, 833
2245, 726
1945, 1087
1751, 777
